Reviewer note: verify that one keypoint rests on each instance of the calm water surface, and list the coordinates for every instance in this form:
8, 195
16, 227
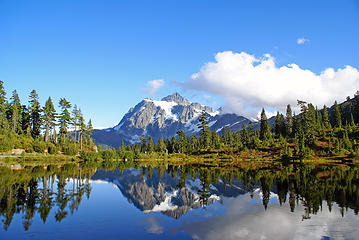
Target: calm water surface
171, 202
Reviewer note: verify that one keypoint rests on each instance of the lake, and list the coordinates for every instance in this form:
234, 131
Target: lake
115, 201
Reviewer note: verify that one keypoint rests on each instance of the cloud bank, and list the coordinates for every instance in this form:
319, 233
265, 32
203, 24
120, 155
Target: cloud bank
245, 218
154, 85
248, 83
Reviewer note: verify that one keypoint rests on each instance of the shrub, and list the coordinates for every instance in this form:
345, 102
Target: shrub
89, 155
51, 148
128, 155
70, 149
108, 154
39, 146
5, 144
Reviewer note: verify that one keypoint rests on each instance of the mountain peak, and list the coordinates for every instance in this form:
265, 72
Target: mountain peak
177, 98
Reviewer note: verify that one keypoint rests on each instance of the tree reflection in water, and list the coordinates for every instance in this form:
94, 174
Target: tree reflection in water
60, 189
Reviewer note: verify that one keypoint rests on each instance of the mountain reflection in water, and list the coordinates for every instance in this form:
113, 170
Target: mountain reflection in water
286, 202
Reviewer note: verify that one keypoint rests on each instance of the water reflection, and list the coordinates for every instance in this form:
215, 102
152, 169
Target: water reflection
297, 199
38, 190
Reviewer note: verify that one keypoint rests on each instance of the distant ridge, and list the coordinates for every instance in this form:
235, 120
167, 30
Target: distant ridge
163, 118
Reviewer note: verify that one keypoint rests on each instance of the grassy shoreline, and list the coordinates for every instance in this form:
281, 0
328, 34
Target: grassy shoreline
248, 159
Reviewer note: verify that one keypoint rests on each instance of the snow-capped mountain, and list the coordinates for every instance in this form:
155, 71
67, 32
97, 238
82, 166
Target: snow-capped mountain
163, 119
163, 193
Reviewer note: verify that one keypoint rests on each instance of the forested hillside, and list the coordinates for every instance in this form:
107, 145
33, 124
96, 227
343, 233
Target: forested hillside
33, 127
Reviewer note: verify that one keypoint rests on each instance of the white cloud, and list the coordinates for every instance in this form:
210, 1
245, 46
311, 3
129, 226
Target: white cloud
301, 41
154, 85
245, 218
248, 83
153, 226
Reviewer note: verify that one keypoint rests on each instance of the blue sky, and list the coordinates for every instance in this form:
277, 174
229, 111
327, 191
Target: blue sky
101, 54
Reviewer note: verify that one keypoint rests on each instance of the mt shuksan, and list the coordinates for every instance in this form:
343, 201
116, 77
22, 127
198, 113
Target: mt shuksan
163, 119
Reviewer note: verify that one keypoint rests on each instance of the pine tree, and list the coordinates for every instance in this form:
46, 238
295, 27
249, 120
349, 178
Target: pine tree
82, 127
229, 136
173, 145
35, 114
89, 130
325, 117
15, 112
193, 143
204, 133
75, 119
183, 142
150, 145
216, 143
337, 118
289, 119
121, 150
3, 121
49, 117
143, 144
356, 108
25, 120
264, 131
244, 136
279, 125
65, 117
351, 119
161, 146
310, 122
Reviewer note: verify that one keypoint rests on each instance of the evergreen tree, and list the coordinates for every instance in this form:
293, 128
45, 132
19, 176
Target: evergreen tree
161, 146
337, 118
244, 136
204, 134
143, 144
193, 143
318, 118
356, 107
150, 145
25, 120
3, 121
15, 112
264, 131
35, 114
65, 117
75, 119
325, 117
351, 119
173, 145
289, 119
121, 150
229, 137
49, 117
310, 121
216, 142
82, 127
89, 130
279, 125
183, 142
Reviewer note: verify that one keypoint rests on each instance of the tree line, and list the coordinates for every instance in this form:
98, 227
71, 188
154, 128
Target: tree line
36, 191
312, 132
38, 128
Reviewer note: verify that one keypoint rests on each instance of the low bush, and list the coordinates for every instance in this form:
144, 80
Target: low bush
5, 144
89, 155
39, 146
70, 149
108, 154
52, 149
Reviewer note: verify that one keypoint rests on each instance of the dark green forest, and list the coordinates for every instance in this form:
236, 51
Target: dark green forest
32, 127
